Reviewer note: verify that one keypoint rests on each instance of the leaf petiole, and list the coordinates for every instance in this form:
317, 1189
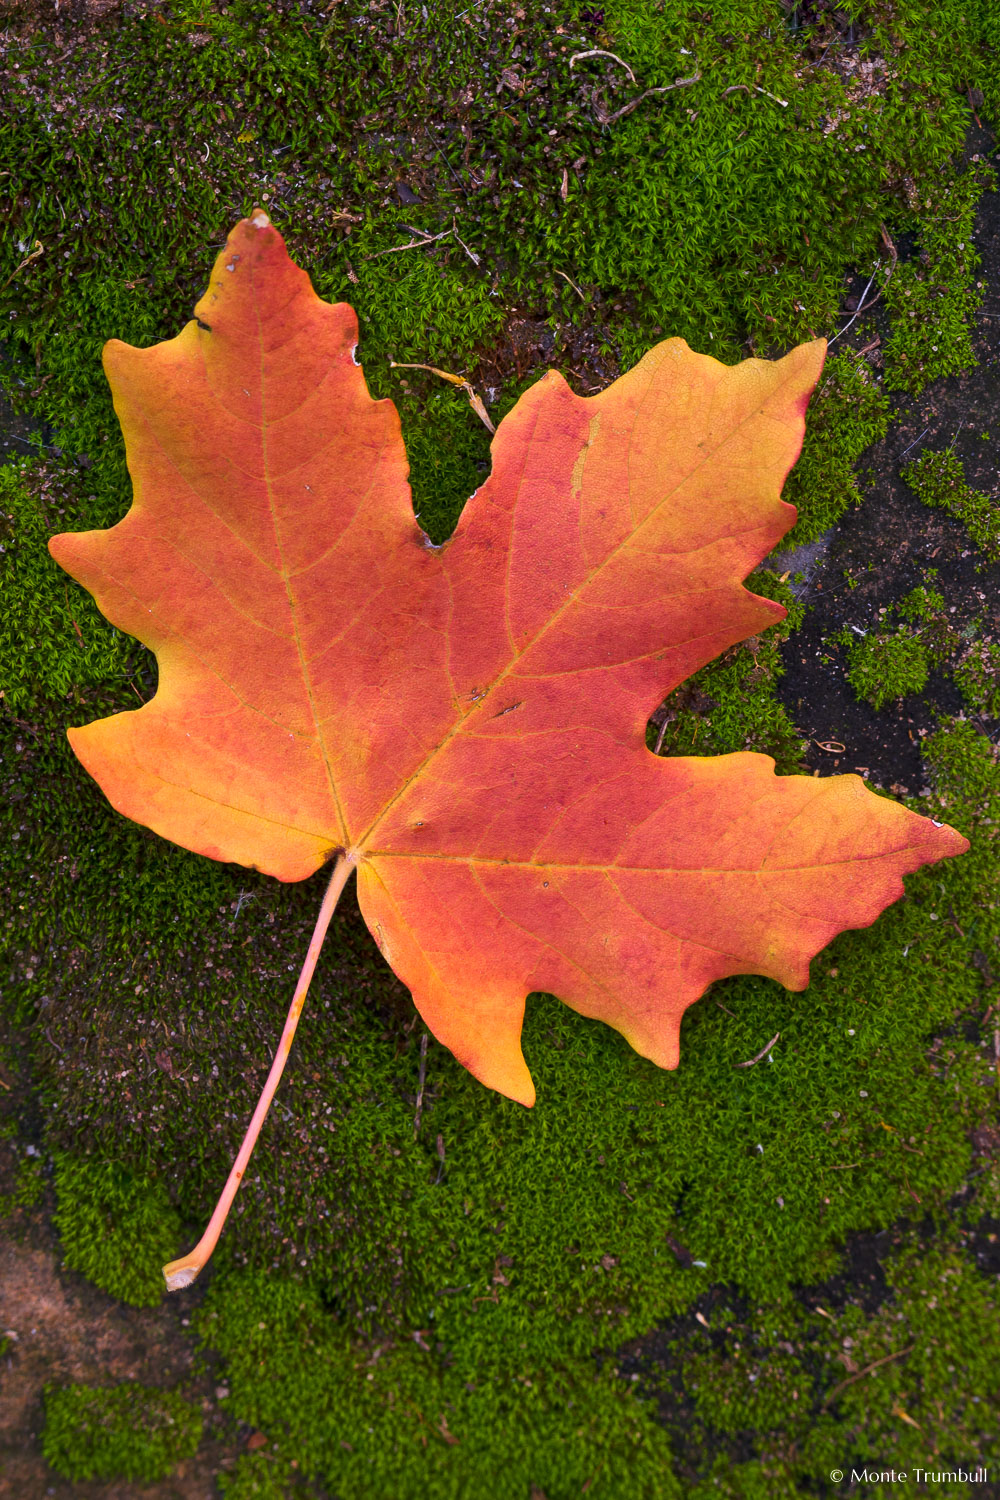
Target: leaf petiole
181, 1273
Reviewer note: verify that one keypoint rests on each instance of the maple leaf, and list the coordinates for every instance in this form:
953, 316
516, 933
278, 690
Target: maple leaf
464, 726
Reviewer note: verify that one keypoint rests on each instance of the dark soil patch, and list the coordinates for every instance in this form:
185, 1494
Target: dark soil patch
62, 1329
881, 551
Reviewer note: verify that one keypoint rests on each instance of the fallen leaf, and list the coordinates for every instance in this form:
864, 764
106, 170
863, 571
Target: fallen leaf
464, 725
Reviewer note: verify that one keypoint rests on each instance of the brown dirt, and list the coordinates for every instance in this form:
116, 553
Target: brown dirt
63, 1329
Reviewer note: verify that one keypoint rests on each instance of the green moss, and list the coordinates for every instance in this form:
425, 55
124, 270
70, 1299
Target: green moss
922, 604
703, 212
894, 660
848, 413
978, 677
408, 1421
884, 668
131, 1432
260, 1476
28, 1189
849, 1390
938, 480
116, 1229
934, 299
44, 638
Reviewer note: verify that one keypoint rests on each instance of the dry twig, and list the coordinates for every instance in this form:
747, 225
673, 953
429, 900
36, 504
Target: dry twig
602, 118
600, 52
763, 1053
459, 380
411, 244
572, 284
38, 250
842, 1386
422, 1078
678, 83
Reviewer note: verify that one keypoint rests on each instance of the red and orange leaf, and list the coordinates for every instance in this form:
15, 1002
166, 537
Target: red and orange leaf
465, 724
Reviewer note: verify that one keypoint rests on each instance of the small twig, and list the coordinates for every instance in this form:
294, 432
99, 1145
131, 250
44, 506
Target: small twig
866, 1371
38, 250
572, 284
600, 52
42, 384
725, 1008
34, 444
659, 738
23, 724
470, 253
916, 440
441, 153
833, 746
679, 83
734, 86
71, 619
888, 243
459, 380
861, 304
763, 1053
420, 1084
413, 244
243, 895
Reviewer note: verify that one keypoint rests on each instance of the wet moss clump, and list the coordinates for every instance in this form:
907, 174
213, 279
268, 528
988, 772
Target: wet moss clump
131, 1432
116, 1228
884, 668
911, 639
847, 414
978, 677
938, 479
814, 1388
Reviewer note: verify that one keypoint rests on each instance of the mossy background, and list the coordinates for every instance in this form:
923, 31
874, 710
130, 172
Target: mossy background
604, 1295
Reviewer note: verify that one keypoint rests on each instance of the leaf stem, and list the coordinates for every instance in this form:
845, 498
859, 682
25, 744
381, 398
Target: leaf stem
181, 1273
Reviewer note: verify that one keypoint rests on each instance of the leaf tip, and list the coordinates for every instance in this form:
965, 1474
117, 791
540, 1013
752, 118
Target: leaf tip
259, 219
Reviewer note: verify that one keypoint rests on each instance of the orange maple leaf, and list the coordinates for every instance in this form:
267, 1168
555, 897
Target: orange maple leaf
465, 725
